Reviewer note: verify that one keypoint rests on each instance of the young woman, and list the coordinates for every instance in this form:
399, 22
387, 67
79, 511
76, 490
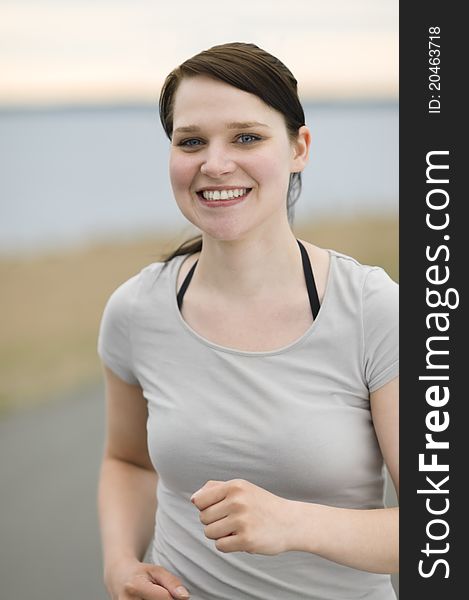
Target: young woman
251, 377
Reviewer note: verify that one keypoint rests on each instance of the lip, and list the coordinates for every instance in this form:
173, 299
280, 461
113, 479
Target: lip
221, 203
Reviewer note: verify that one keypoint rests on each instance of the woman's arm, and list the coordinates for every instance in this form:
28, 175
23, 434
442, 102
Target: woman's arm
127, 499
241, 516
126, 496
363, 539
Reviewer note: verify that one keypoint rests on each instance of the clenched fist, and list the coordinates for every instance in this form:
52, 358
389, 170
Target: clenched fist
242, 517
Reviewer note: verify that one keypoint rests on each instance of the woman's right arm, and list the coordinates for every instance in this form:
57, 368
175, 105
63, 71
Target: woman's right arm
127, 499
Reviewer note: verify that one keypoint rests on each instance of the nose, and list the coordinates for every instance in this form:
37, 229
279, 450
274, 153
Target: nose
217, 162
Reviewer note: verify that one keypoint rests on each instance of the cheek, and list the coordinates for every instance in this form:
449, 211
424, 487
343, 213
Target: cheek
181, 172
272, 168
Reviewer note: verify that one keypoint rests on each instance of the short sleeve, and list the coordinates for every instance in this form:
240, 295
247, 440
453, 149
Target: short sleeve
114, 342
380, 328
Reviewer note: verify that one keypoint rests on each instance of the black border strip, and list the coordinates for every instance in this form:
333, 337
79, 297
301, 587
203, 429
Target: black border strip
429, 199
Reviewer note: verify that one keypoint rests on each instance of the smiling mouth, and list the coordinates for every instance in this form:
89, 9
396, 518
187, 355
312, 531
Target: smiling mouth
223, 194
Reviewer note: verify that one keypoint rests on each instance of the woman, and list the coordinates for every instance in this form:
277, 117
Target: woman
261, 368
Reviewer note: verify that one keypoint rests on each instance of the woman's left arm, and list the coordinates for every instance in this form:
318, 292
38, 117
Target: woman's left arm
242, 517
363, 539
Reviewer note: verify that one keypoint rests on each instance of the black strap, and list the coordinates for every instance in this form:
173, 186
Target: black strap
309, 278
185, 284
310, 283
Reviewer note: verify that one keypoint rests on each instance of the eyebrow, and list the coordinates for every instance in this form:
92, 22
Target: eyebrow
245, 124
232, 125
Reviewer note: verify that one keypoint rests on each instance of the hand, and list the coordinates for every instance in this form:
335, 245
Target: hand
242, 517
132, 580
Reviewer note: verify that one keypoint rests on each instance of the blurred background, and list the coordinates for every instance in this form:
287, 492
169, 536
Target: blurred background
85, 202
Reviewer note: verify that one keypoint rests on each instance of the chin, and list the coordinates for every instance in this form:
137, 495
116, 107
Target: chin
225, 235
222, 230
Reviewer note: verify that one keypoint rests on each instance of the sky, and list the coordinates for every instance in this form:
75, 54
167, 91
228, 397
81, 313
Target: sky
92, 51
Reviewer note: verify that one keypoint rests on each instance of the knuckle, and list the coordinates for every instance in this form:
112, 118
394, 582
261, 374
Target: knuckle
237, 505
130, 588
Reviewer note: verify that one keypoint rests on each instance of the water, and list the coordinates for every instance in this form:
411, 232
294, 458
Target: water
70, 175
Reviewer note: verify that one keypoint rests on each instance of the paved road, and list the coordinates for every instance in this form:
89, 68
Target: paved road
49, 539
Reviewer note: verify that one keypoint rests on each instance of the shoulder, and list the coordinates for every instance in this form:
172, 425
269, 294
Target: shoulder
371, 280
370, 293
354, 280
118, 319
122, 300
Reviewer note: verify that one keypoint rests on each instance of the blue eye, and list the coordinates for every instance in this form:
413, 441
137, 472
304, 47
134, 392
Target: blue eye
191, 143
248, 138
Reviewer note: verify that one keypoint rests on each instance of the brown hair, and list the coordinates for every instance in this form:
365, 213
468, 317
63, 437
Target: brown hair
248, 68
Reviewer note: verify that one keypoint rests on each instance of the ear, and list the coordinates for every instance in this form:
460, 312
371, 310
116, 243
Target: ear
301, 150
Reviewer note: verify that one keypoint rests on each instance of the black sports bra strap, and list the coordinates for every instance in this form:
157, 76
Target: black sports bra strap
185, 284
309, 278
310, 283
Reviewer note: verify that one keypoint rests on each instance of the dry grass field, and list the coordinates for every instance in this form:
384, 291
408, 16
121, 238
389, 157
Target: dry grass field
51, 304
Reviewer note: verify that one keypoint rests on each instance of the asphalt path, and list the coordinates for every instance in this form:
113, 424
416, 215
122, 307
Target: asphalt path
49, 538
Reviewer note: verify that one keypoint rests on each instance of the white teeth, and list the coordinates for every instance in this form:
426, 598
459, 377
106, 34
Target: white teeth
223, 194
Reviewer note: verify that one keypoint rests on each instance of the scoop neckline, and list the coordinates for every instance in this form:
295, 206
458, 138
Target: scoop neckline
291, 346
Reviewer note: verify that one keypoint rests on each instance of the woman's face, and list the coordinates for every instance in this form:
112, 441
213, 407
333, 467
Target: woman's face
231, 158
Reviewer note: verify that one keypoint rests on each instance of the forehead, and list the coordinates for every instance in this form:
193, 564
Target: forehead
200, 100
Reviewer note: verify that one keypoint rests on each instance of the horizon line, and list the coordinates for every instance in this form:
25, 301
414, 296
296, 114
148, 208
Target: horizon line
129, 104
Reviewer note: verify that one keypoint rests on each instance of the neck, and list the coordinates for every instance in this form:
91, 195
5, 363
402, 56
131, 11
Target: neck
248, 268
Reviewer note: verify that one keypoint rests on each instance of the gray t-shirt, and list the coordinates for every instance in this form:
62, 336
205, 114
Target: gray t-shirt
295, 421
